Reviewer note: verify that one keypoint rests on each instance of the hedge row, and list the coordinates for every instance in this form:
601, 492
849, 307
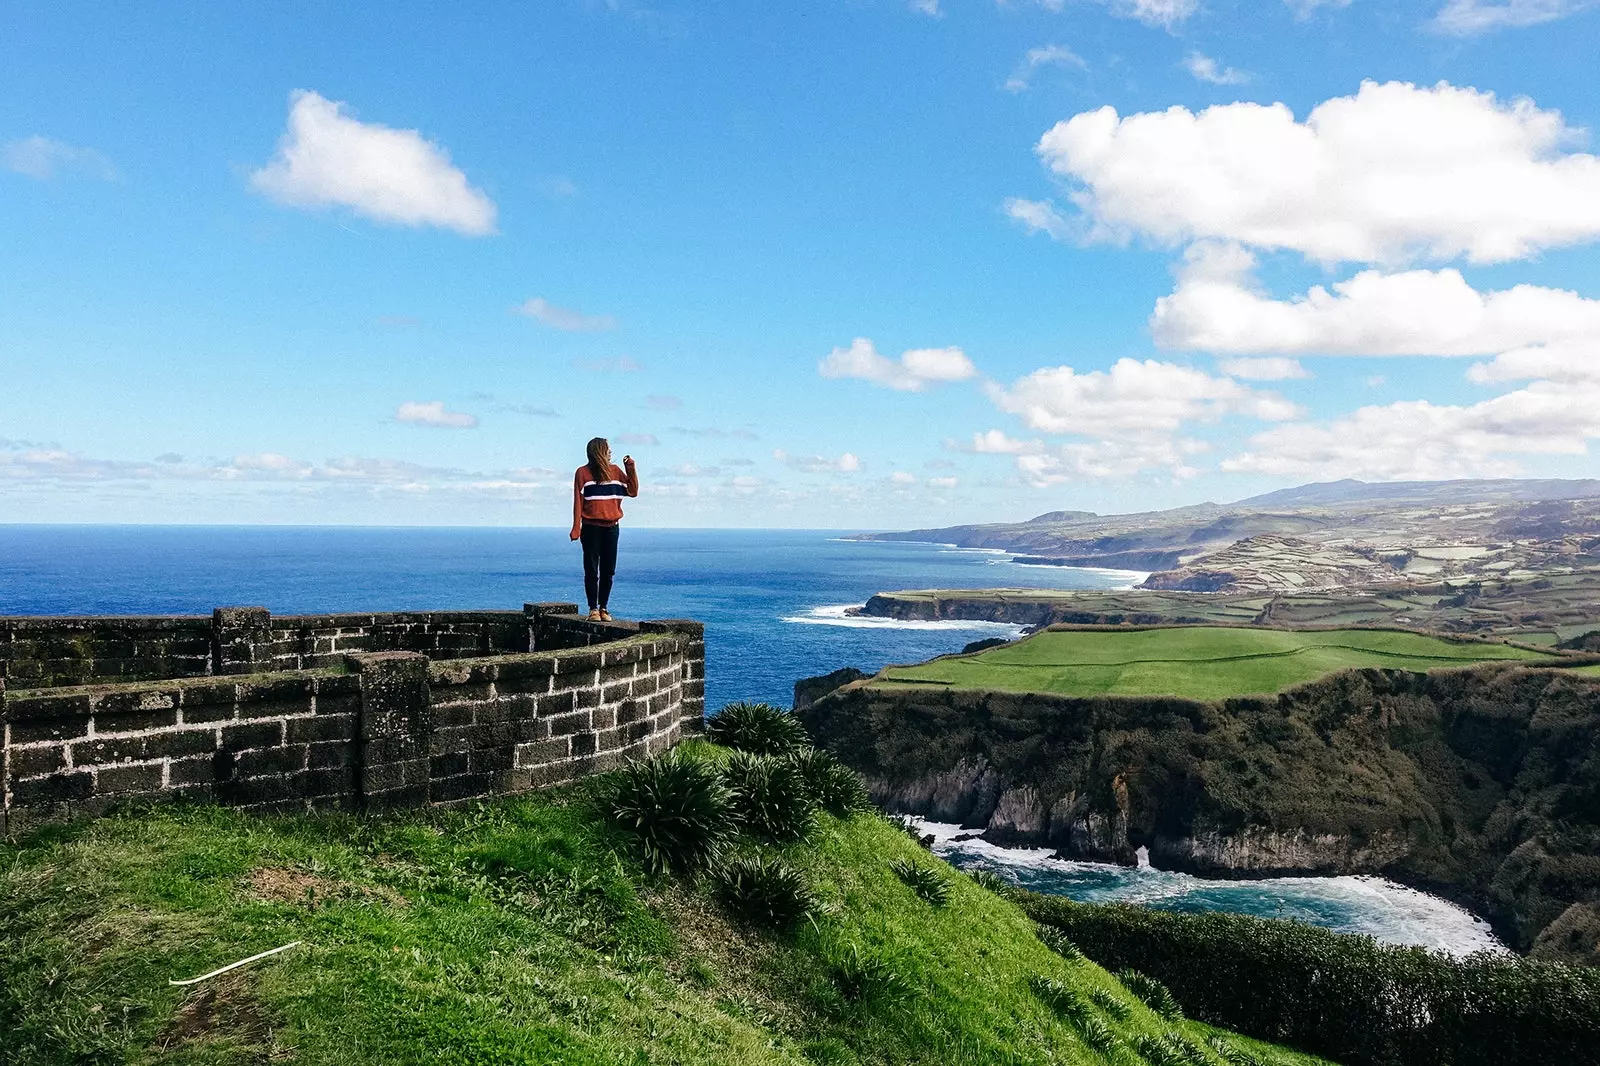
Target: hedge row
1345, 997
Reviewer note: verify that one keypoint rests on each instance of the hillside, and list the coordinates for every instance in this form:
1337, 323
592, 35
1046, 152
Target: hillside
1337, 535
521, 931
1199, 662
1479, 782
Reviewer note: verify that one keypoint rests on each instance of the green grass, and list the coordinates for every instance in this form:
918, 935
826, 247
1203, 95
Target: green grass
522, 931
1589, 671
1199, 662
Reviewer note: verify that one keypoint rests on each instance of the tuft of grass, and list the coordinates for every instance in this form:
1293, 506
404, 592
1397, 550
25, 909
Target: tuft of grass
1157, 996
769, 797
925, 881
863, 977
676, 807
1061, 998
1099, 1036
1058, 942
837, 788
766, 890
1108, 1002
759, 728
990, 881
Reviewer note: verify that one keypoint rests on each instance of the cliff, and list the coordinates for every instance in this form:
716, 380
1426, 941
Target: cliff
1483, 784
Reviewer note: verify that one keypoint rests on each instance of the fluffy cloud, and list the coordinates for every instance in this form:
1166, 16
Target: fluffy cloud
1391, 173
1050, 55
925, 7
1304, 9
327, 158
943, 482
996, 442
42, 158
564, 318
1206, 69
1038, 216
914, 371
1162, 13
1468, 18
433, 414
1134, 399
1096, 460
1217, 308
901, 477
1266, 368
818, 464
1423, 441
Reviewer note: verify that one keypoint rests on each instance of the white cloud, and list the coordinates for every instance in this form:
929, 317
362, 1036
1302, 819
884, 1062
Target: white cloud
1304, 9
564, 318
925, 7
1206, 69
1050, 55
995, 442
1103, 459
1132, 400
327, 158
1038, 216
1577, 360
42, 158
1217, 308
818, 464
1265, 368
1162, 13
638, 440
1467, 18
914, 371
1424, 441
943, 482
1391, 173
434, 415
901, 477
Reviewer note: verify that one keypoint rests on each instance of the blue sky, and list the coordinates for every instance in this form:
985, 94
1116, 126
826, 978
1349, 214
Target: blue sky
851, 263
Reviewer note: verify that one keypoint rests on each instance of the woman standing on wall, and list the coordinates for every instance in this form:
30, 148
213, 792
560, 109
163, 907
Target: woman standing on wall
597, 492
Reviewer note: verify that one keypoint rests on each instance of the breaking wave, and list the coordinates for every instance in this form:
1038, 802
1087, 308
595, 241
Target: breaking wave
839, 615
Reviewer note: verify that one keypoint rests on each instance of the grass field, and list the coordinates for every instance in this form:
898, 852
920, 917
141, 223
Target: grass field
515, 932
1199, 662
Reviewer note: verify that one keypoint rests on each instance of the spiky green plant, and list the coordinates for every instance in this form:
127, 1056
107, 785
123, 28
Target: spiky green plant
1098, 1035
770, 798
1157, 996
1109, 1003
1233, 1054
861, 976
1057, 941
677, 808
990, 881
837, 788
1063, 999
923, 880
766, 890
757, 727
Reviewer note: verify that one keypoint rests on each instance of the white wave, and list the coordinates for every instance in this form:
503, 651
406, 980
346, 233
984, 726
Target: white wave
1377, 907
838, 615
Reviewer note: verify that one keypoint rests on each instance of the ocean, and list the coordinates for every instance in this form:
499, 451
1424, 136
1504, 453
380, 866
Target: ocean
774, 605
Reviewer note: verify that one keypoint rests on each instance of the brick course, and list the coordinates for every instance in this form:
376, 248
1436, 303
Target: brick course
372, 712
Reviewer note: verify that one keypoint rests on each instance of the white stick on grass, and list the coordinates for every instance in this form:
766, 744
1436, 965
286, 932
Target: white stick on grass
234, 965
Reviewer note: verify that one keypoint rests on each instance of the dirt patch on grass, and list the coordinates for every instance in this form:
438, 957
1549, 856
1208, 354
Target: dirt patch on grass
280, 884
224, 1012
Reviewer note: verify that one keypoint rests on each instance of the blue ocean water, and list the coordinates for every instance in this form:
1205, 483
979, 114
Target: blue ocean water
771, 600
773, 603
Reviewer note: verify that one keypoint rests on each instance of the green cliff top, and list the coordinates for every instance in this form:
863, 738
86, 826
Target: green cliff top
1198, 662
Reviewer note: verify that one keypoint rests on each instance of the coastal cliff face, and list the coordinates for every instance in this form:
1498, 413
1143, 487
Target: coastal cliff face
1483, 784
1017, 609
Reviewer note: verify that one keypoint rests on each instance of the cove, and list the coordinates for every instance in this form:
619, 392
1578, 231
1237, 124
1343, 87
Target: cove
1374, 906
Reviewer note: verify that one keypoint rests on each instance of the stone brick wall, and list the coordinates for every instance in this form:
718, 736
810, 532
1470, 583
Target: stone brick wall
359, 729
44, 651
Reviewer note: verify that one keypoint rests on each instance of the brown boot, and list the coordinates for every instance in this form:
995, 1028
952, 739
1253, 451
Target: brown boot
596, 615
605, 615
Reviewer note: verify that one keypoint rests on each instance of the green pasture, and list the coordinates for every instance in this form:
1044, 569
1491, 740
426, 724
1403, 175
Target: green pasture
1199, 662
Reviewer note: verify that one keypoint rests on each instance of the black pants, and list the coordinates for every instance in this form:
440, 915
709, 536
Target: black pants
599, 563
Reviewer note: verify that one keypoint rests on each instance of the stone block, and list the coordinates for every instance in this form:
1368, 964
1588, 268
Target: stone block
139, 777
60, 787
543, 751
36, 761
253, 735
448, 765
266, 762
330, 755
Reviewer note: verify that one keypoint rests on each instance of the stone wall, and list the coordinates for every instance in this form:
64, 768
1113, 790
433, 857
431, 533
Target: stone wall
38, 652
352, 728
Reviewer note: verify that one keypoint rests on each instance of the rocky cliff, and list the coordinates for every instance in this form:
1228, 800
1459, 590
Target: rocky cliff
1483, 784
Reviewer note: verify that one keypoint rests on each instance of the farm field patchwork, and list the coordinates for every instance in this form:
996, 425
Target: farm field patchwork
1198, 662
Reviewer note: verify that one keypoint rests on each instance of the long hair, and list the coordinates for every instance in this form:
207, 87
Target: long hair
600, 459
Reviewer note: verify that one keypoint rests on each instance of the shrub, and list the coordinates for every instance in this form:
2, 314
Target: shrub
770, 798
677, 808
766, 890
1157, 996
1347, 998
862, 977
756, 727
923, 880
837, 788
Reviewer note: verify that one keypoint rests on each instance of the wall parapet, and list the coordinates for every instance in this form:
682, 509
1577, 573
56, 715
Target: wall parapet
358, 729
